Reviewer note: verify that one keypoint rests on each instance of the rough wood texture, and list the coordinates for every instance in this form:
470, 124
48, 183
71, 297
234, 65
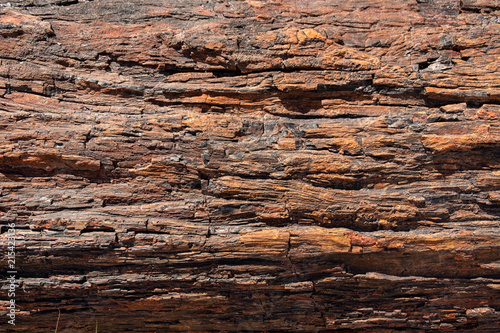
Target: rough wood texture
307, 166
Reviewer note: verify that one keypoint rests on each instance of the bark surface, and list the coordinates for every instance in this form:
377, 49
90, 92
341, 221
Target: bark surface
306, 166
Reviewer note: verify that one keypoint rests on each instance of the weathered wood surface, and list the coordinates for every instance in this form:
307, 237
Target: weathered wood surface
288, 165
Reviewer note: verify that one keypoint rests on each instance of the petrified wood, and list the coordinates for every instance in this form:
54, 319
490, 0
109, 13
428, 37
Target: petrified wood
306, 166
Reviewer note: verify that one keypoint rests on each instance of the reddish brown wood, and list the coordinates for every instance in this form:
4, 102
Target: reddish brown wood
306, 166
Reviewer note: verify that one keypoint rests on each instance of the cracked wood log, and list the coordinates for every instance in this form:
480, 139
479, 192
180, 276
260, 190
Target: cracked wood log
290, 165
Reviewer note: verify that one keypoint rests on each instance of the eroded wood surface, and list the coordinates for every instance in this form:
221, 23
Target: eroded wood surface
307, 166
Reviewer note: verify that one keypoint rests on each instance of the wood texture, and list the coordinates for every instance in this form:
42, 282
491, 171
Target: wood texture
236, 166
